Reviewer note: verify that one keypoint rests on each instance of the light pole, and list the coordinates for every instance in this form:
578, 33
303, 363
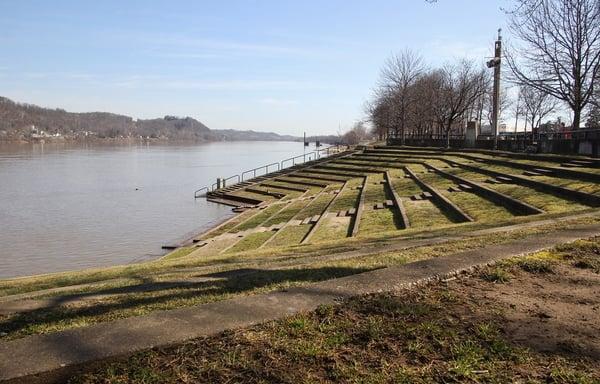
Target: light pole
495, 63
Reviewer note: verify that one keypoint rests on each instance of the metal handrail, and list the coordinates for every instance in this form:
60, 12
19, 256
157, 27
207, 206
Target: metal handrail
196, 195
253, 171
229, 178
317, 153
293, 159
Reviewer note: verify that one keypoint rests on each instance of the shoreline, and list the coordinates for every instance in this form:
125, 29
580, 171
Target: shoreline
127, 140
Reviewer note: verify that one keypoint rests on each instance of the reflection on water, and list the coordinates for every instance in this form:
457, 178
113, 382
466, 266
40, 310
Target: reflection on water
71, 206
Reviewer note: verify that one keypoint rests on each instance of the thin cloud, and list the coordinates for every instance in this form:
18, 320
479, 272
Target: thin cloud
238, 85
449, 49
159, 44
278, 102
192, 55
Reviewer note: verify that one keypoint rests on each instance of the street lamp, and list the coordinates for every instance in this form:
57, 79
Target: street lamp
495, 63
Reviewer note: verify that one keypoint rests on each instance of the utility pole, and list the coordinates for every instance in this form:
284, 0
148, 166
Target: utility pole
495, 63
304, 147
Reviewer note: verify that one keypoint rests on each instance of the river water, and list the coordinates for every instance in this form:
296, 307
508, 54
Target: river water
73, 206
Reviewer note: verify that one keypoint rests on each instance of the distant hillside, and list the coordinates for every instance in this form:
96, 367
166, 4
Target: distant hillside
233, 135
27, 122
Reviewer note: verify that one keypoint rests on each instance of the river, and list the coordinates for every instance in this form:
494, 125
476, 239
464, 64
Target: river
73, 206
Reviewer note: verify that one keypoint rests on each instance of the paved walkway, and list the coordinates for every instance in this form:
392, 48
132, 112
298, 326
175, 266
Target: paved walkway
53, 357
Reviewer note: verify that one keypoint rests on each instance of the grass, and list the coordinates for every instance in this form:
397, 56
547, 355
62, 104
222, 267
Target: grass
477, 207
378, 221
545, 201
179, 253
251, 241
287, 213
290, 235
437, 333
252, 195
375, 192
316, 207
332, 228
346, 200
231, 223
258, 218
405, 187
424, 214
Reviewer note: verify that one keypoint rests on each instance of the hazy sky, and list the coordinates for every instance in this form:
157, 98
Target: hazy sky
284, 66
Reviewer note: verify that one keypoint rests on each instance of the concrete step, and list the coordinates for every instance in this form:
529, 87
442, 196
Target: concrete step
504, 179
493, 181
543, 171
531, 173
586, 163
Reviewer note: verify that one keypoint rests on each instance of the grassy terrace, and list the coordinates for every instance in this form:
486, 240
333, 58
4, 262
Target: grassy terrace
247, 255
477, 207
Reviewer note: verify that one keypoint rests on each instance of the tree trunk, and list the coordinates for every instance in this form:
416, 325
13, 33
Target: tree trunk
576, 118
448, 134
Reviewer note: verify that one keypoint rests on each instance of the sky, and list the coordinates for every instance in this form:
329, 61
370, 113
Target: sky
282, 66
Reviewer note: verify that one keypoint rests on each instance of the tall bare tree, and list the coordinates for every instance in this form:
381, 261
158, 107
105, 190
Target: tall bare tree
558, 49
397, 77
537, 105
462, 84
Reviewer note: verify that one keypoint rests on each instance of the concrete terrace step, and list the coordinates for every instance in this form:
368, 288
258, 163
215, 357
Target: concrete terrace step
531, 173
300, 182
587, 163
439, 199
504, 179
543, 171
237, 200
513, 205
563, 192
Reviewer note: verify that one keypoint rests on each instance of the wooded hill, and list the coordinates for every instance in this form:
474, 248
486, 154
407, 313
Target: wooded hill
24, 122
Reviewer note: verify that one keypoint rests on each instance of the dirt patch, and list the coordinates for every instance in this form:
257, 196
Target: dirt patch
557, 312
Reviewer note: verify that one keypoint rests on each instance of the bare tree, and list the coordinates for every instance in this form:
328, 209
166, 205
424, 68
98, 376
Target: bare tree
537, 105
380, 115
559, 49
356, 134
504, 104
397, 77
517, 108
460, 87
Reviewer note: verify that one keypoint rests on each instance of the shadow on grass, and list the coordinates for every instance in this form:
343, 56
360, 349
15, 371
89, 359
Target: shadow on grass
147, 296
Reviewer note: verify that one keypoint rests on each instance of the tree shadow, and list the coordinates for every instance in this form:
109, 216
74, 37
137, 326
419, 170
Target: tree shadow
153, 296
